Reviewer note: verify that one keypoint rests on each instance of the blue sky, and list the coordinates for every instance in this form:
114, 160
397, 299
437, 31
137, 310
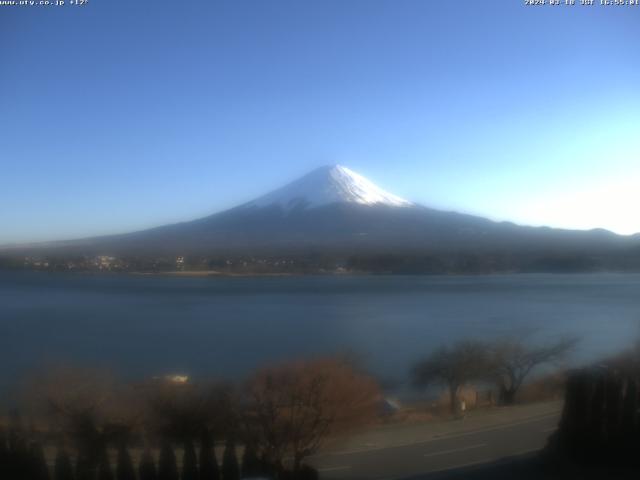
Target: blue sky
123, 114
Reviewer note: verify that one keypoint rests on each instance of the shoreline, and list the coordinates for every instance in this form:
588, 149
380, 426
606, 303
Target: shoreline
211, 273
219, 274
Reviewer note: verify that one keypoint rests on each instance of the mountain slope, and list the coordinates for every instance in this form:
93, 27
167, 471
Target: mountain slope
333, 209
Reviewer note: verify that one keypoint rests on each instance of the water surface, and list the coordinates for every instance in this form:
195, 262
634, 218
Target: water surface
150, 325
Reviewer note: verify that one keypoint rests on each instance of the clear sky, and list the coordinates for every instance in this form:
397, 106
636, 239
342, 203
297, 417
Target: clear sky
125, 114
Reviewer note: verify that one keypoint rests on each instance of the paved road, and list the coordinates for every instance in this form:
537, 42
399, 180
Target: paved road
401, 452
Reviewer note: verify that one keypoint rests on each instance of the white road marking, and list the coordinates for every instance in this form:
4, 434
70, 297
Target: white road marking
467, 464
537, 418
463, 465
454, 450
333, 469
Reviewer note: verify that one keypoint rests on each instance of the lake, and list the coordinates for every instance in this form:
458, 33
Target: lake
153, 325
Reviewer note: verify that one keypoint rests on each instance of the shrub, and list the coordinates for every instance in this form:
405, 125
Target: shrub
189, 462
208, 463
251, 465
62, 469
124, 468
230, 467
167, 467
38, 463
104, 466
147, 466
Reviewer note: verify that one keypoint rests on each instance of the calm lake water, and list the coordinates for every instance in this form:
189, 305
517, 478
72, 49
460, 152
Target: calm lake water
145, 325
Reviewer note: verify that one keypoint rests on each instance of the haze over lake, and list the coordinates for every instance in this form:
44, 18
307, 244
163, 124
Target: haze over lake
153, 325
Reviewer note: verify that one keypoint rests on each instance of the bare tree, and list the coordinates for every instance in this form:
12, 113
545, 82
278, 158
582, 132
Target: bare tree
513, 360
85, 406
453, 366
182, 412
294, 407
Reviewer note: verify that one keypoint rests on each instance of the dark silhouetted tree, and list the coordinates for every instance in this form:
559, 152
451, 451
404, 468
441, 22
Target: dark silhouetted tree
189, 462
124, 467
513, 360
86, 468
208, 463
62, 469
16, 439
88, 407
4, 454
147, 466
251, 464
230, 467
167, 467
19, 461
38, 463
453, 367
104, 466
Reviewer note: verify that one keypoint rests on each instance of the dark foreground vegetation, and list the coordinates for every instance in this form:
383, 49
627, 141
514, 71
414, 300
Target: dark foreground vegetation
598, 436
600, 426
78, 424
82, 425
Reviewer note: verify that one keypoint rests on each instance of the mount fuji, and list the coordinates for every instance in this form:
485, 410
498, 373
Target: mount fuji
328, 185
335, 210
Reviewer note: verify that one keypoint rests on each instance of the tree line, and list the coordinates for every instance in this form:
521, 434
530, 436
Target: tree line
22, 457
170, 429
506, 363
164, 429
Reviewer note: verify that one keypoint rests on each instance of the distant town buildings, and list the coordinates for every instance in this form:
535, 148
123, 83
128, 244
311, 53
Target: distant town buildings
36, 263
217, 264
104, 262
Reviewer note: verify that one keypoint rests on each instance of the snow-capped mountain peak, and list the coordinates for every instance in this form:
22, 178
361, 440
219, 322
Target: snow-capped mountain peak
328, 185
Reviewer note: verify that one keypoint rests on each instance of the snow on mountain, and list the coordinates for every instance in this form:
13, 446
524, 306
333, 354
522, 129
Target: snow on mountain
349, 222
329, 185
